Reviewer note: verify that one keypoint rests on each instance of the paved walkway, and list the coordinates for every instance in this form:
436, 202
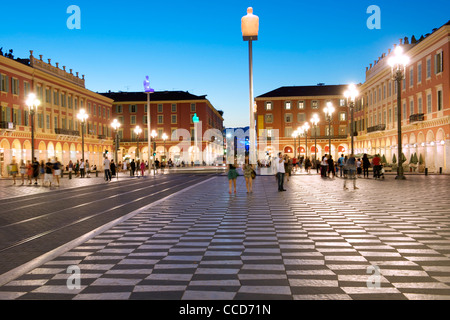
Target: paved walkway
387, 240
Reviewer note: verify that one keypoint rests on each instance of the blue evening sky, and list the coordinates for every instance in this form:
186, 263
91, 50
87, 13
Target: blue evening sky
197, 45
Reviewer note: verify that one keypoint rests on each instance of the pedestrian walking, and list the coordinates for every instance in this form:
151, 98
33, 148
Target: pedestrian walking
82, 168
29, 172
42, 171
341, 164
13, 169
351, 174
248, 170
48, 173
330, 162
358, 167
70, 168
77, 168
287, 166
376, 164
279, 162
88, 169
132, 167
143, 168
307, 165
35, 166
232, 176
366, 165
107, 169
23, 171
57, 170
324, 166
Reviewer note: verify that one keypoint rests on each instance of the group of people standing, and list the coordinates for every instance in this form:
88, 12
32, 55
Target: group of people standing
33, 170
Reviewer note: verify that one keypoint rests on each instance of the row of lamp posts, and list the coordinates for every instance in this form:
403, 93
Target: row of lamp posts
250, 29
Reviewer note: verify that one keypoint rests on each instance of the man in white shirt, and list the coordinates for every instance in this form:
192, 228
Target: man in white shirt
279, 161
107, 168
82, 168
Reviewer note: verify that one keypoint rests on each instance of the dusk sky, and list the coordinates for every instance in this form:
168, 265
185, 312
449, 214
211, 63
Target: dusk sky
197, 45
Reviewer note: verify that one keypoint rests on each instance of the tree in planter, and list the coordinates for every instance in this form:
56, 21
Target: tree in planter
383, 159
413, 162
421, 164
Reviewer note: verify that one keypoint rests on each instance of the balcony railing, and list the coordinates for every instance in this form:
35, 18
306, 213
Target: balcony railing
7, 125
379, 127
67, 132
416, 117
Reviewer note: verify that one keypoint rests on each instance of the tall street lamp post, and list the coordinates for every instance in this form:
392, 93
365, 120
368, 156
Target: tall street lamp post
329, 109
138, 132
116, 125
32, 104
314, 122
153, 135
148, 90
295, 135
250, 28
164, 137
351, 95
306, 129
82, 116
398, 64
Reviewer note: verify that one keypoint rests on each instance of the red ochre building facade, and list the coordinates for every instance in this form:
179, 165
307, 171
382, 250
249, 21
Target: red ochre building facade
57, 130
170, 111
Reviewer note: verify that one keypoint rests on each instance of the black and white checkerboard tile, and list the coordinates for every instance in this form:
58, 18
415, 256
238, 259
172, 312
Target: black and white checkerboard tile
314, 241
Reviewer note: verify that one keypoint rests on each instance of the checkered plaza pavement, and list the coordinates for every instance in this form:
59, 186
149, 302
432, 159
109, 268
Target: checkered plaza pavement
386, 240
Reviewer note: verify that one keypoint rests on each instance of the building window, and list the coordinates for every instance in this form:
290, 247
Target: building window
328, 131
160, 119
428, 68
341, 102
174, 107
419, 73
287, 105
301, 104
119, 108
132, 119
404, 110
173, 119
411, 76
288, 132
438, 63
48, 95
268, 118
411, 107
15, 86
4, 83
56, 98
315, 104
133, 108
429, 108
301, 117
342, 116
193, 107
288, 118
144, 120
268, 105
160, 107
419, 103
439, 100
